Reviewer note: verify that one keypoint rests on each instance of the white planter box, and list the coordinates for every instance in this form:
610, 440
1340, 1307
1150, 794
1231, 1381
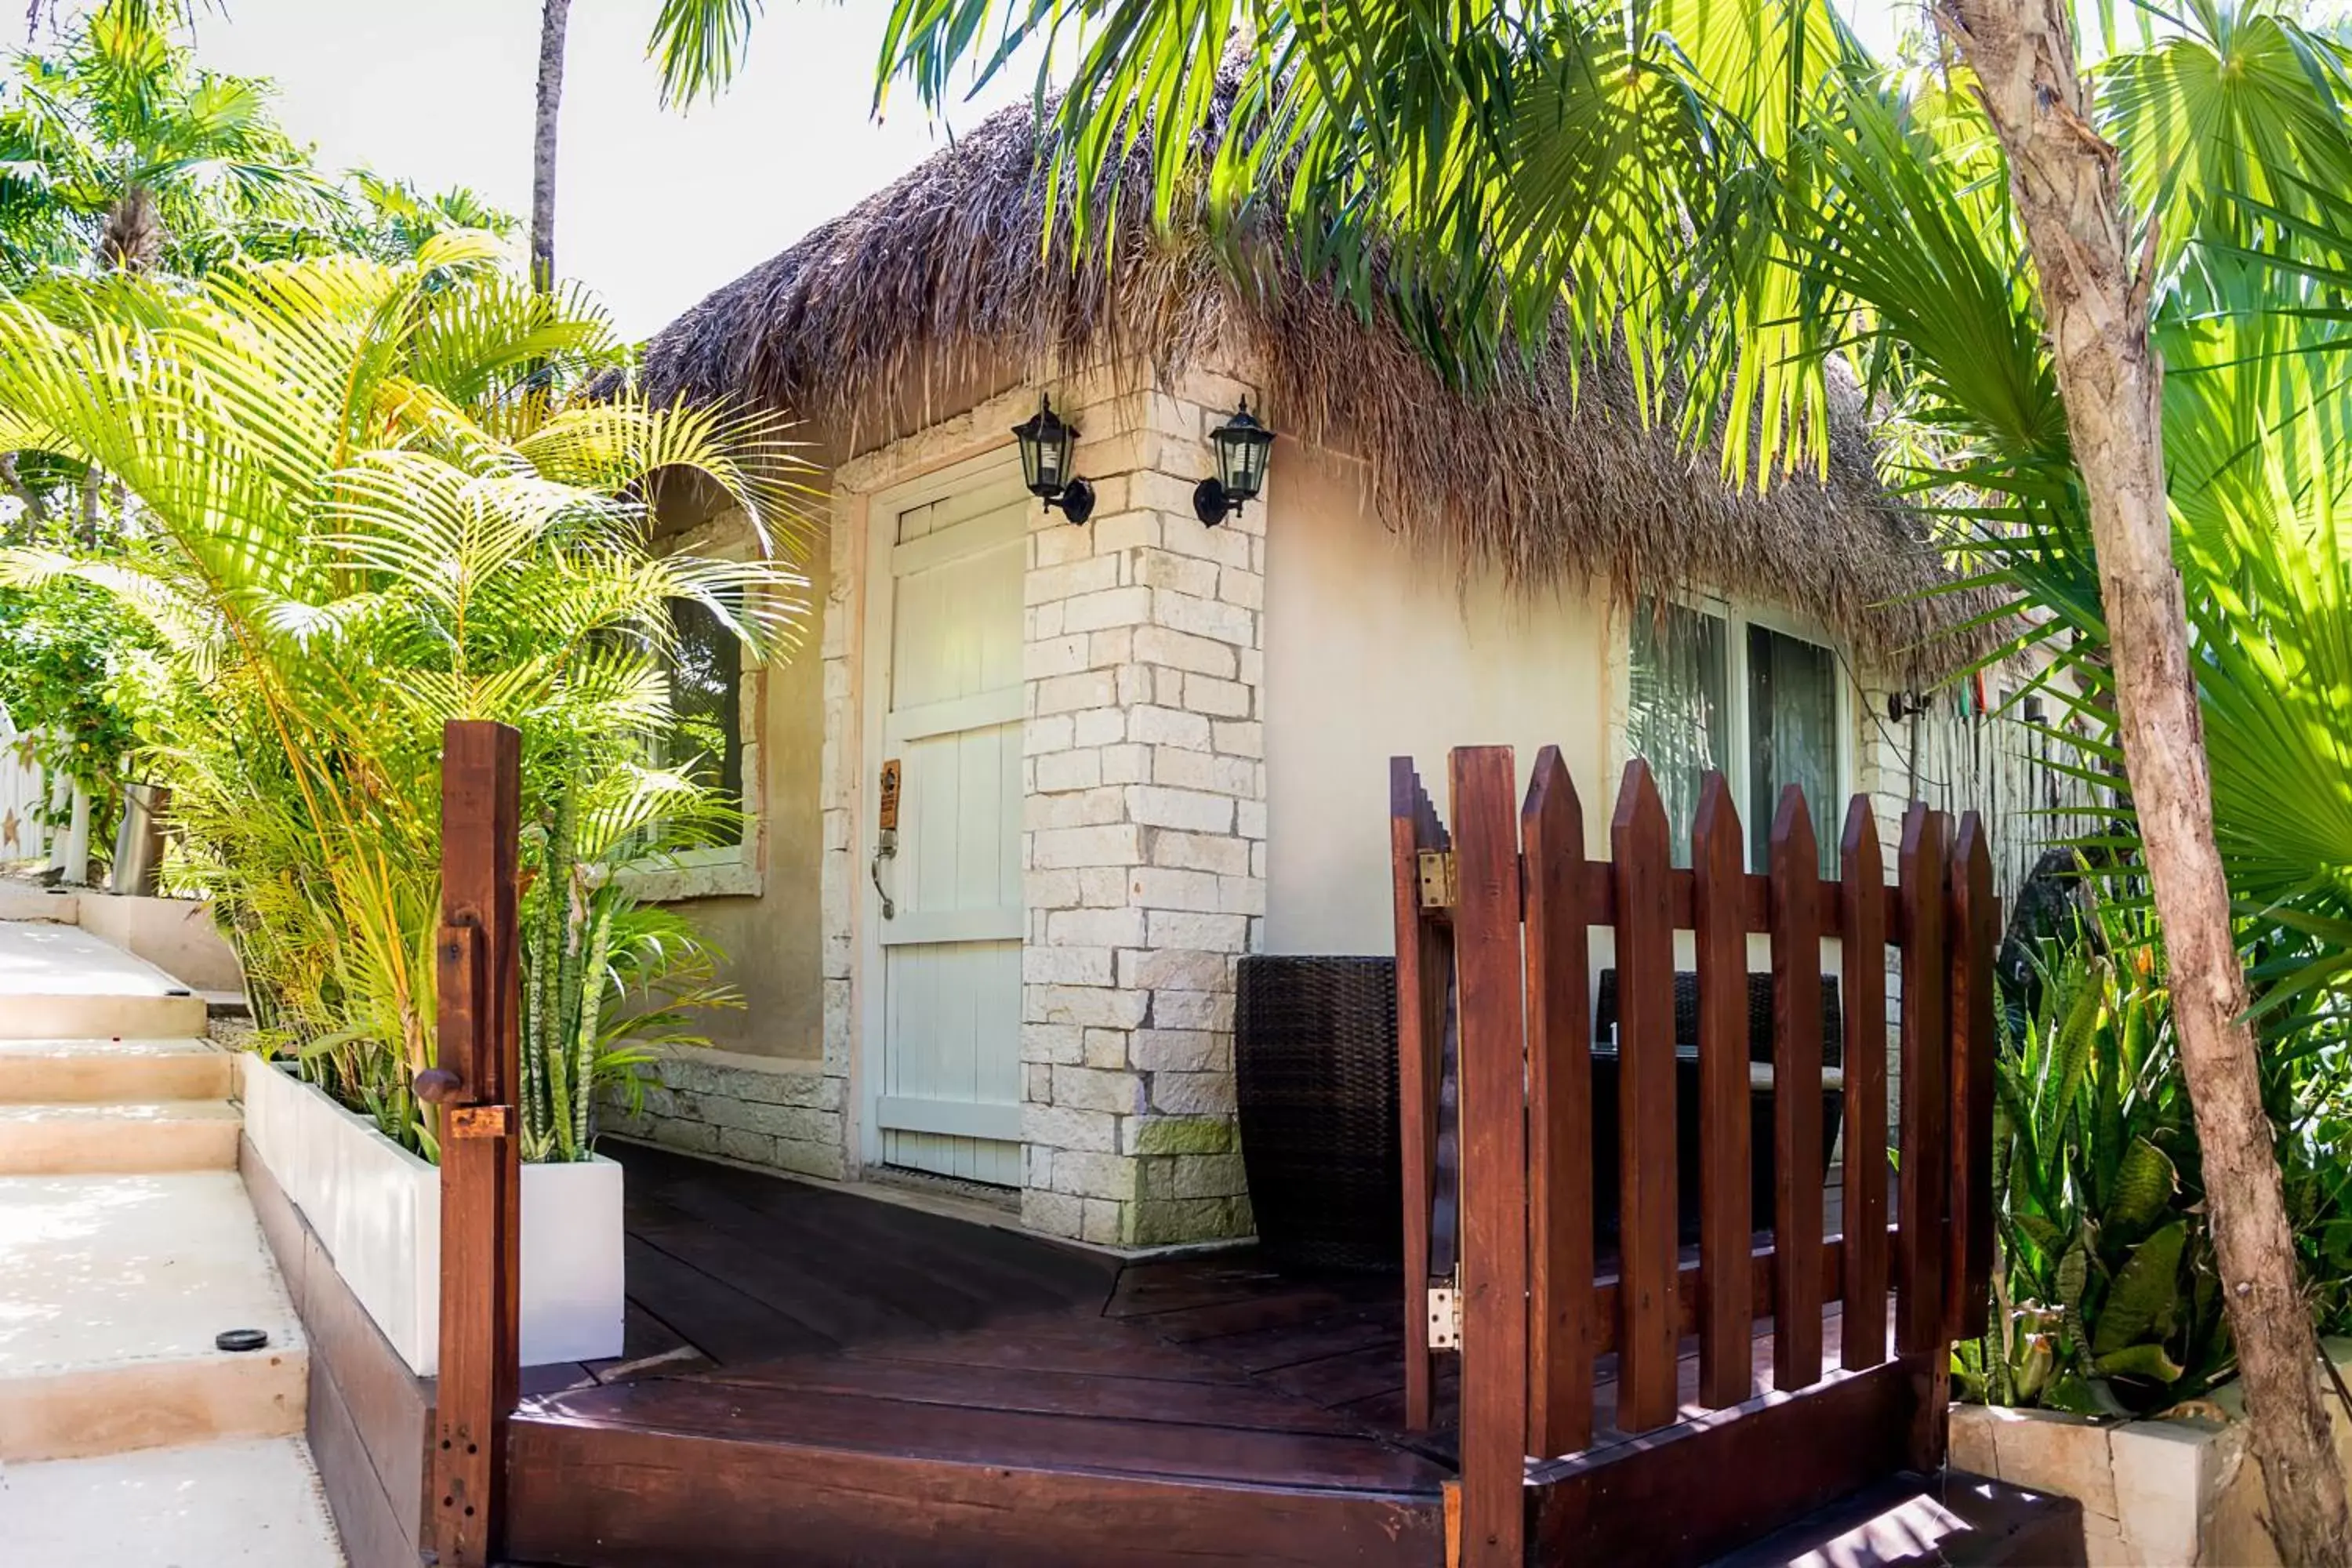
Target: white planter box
2178, 1493
377, 1210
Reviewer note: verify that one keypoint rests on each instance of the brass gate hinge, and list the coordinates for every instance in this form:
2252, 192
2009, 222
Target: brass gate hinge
1445, 1318
1438, 887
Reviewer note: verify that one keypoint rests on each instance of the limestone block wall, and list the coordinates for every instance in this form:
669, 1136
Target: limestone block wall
1144, 838
1143, 828
752, 1108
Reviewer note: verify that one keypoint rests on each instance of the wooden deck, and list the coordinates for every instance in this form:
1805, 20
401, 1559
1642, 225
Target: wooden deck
813, 1376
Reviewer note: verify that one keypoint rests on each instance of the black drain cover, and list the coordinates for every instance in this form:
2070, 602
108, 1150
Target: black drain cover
240, 1339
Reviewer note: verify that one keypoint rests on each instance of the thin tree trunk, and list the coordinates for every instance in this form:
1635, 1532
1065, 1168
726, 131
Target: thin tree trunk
2062, 177
36, 511
93, 478
554, 21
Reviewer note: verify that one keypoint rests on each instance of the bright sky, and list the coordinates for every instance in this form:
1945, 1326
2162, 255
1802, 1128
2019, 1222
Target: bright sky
654, 209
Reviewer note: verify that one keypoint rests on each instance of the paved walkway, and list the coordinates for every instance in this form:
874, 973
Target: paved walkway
128, 1437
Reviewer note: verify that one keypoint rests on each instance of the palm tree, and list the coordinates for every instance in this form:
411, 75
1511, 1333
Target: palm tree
1727, 192
360, 514
700, 46
119, 154
119, 151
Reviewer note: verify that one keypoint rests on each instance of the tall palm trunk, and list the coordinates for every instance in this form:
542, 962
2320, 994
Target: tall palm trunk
2062, 176
554, 22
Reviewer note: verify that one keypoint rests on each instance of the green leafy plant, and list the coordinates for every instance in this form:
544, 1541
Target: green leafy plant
2105, 1300
607, 979
364, 507
62, 647
120, 151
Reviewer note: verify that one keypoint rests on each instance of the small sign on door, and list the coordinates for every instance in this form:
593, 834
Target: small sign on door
890, 796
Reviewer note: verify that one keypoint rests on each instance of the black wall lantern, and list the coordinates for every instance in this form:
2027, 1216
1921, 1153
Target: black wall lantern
1241, 447
1046, 441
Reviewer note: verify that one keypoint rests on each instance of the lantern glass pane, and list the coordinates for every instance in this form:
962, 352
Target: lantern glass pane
1252, 465
1240, 464
1234, 463
1029, 460
1053, 448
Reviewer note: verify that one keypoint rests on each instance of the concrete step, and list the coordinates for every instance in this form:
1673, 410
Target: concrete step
118, 1072
1954, 1520
111, 1290
58, 982
82, 1140
25, 901
255, 1503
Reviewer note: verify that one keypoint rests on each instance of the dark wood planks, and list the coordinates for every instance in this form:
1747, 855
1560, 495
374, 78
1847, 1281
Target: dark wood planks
992, 1263
1864, 961
1064, 1346
1177, 1285
1645, 977
1683, 1496
635, 1498
1214, 1372
1010, 1438
1494, 1156
720, 1320
1559, 1114
1112, 1396
479, 955
1337, 1333
1796, 1101
1718, 845
1035, 1410
719, 1256
835, 1303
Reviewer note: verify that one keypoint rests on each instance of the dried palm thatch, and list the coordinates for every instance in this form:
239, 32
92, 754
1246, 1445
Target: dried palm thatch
923, 292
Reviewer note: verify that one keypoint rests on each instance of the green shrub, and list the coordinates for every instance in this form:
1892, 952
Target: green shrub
2106, 1299
359, 507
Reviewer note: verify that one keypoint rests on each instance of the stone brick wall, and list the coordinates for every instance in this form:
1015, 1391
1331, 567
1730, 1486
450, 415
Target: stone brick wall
1142, 835
764, 1112
1144, 839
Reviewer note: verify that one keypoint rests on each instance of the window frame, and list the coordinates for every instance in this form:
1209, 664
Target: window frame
721, 870
1738, 615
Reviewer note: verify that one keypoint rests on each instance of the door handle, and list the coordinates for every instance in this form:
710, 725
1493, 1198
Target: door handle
885, 843
884, 848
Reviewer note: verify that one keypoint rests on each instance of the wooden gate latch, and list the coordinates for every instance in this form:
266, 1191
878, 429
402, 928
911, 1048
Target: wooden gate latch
476, 1121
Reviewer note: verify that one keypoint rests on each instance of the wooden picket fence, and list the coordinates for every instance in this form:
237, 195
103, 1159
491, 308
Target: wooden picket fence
1495, 1028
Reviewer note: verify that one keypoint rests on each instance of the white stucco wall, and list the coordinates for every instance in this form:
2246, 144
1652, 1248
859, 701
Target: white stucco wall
1370, 651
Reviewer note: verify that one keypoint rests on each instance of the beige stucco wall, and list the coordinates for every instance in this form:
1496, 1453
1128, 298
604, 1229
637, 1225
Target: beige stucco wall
772, 939
1373, 649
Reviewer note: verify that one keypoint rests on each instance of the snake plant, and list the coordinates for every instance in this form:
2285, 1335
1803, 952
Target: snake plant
2105, 1296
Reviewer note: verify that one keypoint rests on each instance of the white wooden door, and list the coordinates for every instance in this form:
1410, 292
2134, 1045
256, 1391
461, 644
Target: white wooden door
946, 620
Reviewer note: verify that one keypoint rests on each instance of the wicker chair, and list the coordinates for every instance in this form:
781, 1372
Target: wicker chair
1315, 1060
1763, 1163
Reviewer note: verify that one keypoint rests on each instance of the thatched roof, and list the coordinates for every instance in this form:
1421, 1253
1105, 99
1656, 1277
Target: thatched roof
922, 292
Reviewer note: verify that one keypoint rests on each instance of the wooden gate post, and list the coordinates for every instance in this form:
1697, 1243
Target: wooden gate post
1924, 1179
1487, 956
479, 974
1425, 967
